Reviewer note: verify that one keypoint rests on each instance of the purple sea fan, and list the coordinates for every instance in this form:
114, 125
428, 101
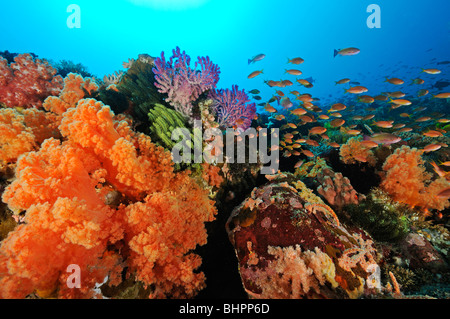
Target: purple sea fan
182, 84
232, 107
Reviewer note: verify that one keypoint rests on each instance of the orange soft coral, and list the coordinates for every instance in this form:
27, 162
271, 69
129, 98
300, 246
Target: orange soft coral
160, 214
75, 88
211, 175
23, 131
15, 137
406, 180
354, 151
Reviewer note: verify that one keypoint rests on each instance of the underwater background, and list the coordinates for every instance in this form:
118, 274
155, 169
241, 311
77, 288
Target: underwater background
355, 93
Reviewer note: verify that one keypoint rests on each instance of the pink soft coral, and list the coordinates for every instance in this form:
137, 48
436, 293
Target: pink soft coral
27, 82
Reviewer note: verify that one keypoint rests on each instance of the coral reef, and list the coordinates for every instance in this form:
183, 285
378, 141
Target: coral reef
27, 82
66, 188
183, 84
290, 248
232, 108
407, 181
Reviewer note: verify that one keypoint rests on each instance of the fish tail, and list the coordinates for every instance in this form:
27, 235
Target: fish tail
289, 60
249, 61
345, 91
336, 52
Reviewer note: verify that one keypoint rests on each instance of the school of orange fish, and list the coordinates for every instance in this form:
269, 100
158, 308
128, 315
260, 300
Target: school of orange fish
292, 143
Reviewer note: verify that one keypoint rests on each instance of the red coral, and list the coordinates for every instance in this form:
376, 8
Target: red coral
27, 82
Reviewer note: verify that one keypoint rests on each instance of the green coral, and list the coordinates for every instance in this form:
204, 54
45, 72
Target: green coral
138, 85
383, 218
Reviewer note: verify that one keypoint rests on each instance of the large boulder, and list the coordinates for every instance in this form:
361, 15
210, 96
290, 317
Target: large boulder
289, 244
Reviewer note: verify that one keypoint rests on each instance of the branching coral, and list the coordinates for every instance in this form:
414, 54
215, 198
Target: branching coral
182, 84
27, 82
406, 180
232, 108
64, 188
354, 151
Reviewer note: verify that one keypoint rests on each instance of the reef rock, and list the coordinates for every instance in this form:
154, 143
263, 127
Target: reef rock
289, 244
421, 254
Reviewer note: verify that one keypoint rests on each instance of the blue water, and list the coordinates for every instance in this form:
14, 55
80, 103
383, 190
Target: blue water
413, 35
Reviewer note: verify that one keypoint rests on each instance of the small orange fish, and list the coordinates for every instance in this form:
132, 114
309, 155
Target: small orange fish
291, 125
312, 142
306, 118
431, 148
400, 102
366, 99
293, 72
445, 95
405, 129
384, 124
337, 122
395, 81
254, 74
342, 81
269, 108
308, 153
443, 120
298, 164
299, 111
280, 117
445, 193
297, 60
431, 71
334, 144
423, 119
353, 132
369, 144
323, 117
336, 114
288, 135
438, 170
357, 118
432, 133
399, 125
397, 94
356, 90
317, 130
368, 117
404, 115
337, 107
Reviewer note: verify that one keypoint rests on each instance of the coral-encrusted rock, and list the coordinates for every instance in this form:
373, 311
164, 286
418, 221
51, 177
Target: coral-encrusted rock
291, 245
421, 254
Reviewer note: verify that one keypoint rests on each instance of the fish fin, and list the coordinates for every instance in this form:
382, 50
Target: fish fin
336, 52
289, 60
345, 91
249, 61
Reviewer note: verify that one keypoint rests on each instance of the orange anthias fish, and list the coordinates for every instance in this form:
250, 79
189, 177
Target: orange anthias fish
431, 71
356, 90
269, 108
432, 133
431, 148
342, 81
346, 52
317, 130
395, 81
299, 111
384, 124
293, 72
400, 102
337, 122
445, 95
297, 60
254, 74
